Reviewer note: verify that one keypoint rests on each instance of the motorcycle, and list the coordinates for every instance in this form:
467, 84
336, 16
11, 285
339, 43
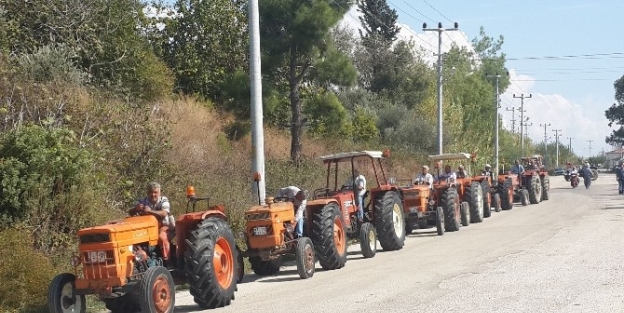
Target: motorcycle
574, 179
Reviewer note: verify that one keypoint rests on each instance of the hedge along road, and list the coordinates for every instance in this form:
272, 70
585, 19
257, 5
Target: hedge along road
562, 255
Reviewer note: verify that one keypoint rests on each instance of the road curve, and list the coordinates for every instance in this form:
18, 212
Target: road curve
562, 255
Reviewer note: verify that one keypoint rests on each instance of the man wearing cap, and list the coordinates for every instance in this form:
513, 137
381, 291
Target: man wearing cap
487, 171
424, 177
298, 197
461, 172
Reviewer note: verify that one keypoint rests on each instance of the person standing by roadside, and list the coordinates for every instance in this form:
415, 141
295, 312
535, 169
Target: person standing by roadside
619, 174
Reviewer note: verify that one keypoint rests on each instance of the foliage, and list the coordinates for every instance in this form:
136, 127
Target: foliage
326, 116
204, 42
615, 114
51, 63
25, 272
378, 20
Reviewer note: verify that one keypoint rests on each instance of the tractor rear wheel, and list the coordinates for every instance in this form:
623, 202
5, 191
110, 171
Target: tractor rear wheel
389, 220
368, 240
474, 197
305, 257
487, 198
545, 188
507, 195
329, 237
61, 297
157, 291
212, 263
265, 268
496, 202
451, 207
123, 304
535, 190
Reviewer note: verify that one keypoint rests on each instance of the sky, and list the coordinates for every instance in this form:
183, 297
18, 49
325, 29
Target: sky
570, 91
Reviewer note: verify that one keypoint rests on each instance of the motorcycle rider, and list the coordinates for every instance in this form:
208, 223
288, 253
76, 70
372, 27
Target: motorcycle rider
573, 177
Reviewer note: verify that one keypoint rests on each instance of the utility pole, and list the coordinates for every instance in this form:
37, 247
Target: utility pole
257, 130
590, 148
440, 30
570, 144
526, 125
513, 119
557, 134
496, 106
545, 144
522, 97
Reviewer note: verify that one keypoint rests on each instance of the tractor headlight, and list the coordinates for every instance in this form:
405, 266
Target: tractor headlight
241, 235
75, 261
138, 257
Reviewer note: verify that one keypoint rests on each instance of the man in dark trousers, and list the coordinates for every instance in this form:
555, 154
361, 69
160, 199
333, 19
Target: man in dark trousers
619, 174
587, 175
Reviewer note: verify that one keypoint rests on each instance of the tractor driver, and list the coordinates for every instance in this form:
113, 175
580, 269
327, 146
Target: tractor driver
156, 204
298, 198
517, 169
487, 171
448, 173
461, 172
424, 177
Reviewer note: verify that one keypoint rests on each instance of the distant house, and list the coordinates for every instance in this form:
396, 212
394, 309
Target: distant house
615, 156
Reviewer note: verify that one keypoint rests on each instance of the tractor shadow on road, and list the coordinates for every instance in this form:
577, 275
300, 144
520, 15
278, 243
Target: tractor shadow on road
187, 308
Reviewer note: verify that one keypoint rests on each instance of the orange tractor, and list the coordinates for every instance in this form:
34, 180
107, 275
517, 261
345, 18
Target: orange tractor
331, 216
469, 190
270, 234
121, 263
510, 188
535, 179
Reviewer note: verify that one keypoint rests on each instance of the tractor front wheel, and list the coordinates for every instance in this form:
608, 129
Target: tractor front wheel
305, 257
123, 304
496, 202
535, 190
545, 188
329, 237
212, 263
440, 221
389, 220
524, 197
157, 291
487, 198
61, 297
465, 213
507, 195
368, 240
265, 268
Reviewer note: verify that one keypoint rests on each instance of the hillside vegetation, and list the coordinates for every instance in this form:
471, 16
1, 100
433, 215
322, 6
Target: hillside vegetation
97, 99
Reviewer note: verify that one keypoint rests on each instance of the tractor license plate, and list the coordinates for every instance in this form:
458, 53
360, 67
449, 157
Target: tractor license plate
260, 231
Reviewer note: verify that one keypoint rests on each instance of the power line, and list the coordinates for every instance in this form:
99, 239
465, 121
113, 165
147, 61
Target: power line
562, 80
616, 55
425, 1
413, 8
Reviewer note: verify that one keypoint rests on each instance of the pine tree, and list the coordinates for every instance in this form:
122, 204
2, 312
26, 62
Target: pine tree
378, 20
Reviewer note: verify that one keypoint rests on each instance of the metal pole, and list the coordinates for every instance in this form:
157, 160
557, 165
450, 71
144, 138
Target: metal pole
496, 126
557, 134
522, 96
513, 119
440, 30
545, 145
257, 131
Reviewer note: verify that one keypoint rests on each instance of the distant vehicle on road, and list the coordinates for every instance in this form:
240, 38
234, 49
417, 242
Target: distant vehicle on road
559, 171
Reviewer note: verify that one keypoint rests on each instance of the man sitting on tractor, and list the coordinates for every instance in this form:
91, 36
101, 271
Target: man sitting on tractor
360, 185
156, 204
461, 172
448, 173
298, 198
517, 169
424, 177
487, 171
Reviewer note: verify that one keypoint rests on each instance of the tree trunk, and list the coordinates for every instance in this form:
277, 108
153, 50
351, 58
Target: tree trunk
296, 130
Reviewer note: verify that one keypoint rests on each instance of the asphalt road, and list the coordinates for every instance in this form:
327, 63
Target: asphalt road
562, 255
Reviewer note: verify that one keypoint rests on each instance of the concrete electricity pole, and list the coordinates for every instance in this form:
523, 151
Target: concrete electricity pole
496, 127
257, 130
570, 144
440, 30
557, 134
545, 144
522, 97
590, 148
513, 119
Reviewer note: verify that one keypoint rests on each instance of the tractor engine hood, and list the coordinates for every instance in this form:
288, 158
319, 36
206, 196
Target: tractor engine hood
129, 231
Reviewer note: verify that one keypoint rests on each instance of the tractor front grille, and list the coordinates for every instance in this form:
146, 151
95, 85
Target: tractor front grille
258, 216
95, 238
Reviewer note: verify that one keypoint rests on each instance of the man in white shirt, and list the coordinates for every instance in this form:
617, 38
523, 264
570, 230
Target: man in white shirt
297, 196
424, 177
360, 186
448, 173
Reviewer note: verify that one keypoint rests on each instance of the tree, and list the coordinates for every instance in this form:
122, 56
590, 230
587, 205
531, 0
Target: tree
615, 114
378, 20
207, 42
295, 36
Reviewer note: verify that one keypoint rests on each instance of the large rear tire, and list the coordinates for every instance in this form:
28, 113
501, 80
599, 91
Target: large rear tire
545, 188
157, 291
474, 197
61, 298
506, 195
211, 263
389, 220
305, 257
487, 198
451, 207
329, 237
368, 240
535, 190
